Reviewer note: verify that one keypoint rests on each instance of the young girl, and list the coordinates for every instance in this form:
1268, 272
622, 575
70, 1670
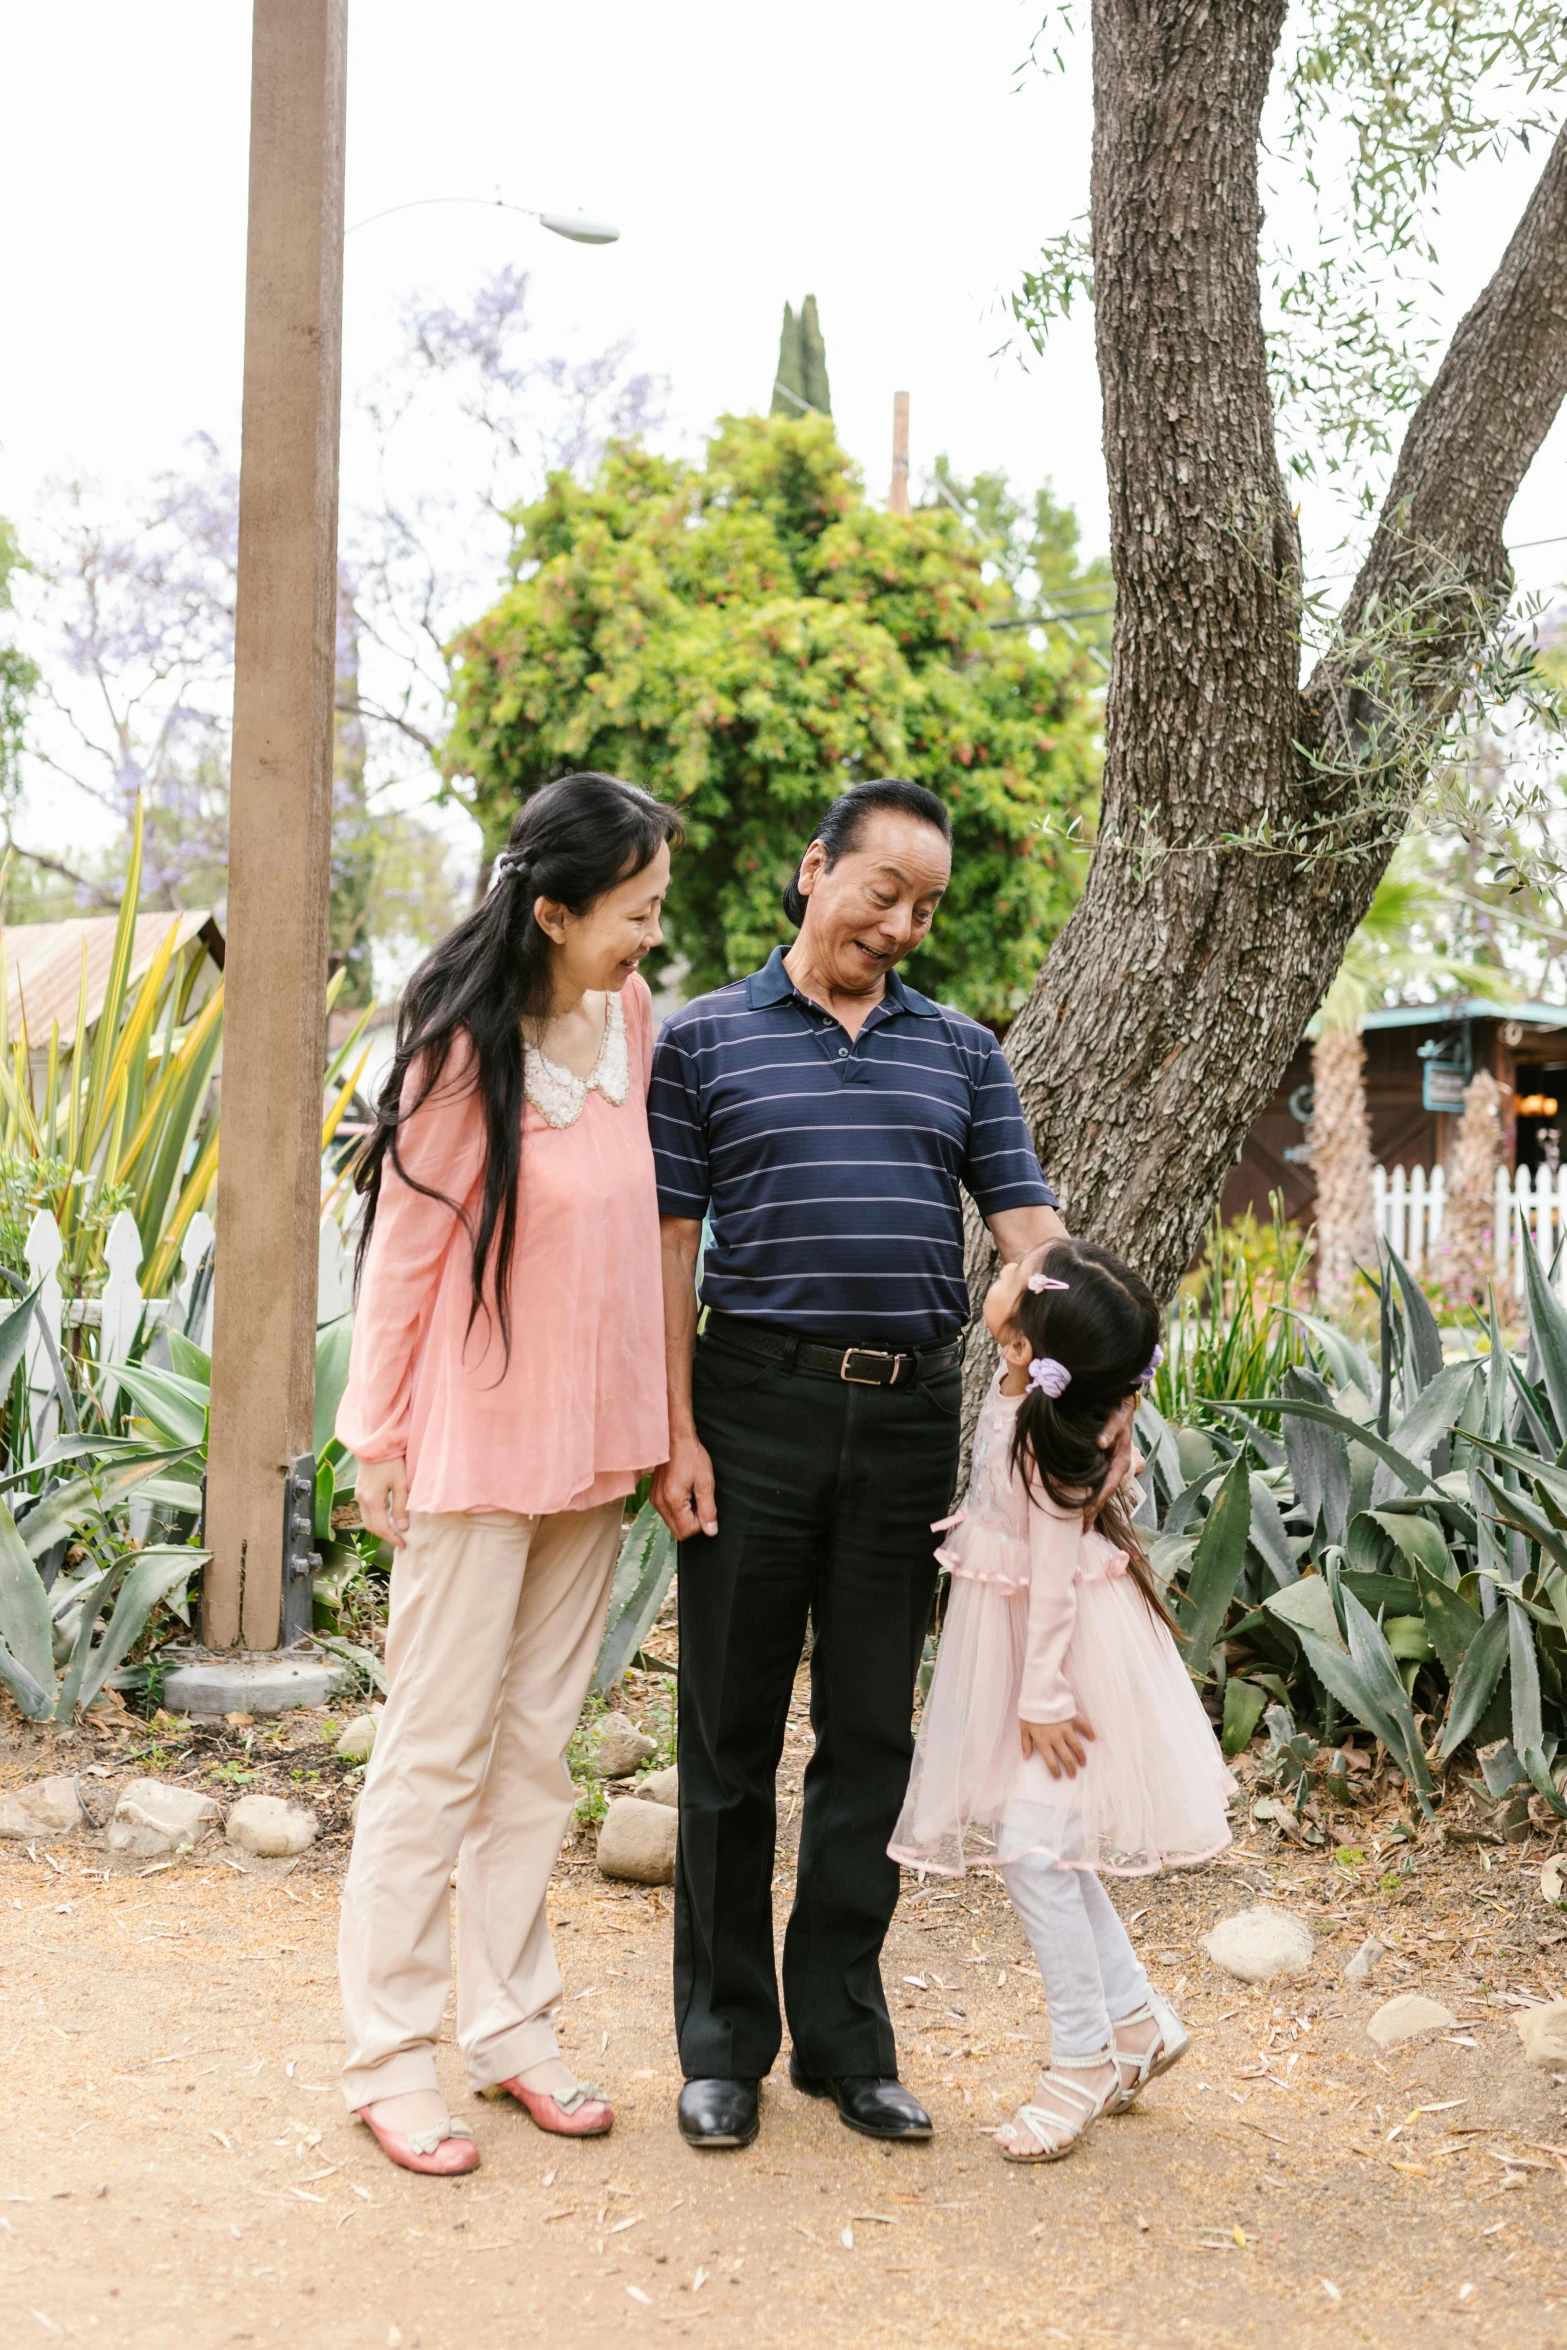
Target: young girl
1062, 1737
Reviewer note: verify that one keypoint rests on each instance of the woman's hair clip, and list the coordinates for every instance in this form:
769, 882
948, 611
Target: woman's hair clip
1050, 1377
1042, 1281
1145, 1378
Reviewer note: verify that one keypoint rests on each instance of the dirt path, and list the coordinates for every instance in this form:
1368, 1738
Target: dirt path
177, 2165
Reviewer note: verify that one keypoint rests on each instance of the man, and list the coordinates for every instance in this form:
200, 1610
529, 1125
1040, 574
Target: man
826, 1118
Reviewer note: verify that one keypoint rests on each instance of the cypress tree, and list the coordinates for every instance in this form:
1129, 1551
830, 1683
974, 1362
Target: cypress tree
800, 383
790, 376
813, 356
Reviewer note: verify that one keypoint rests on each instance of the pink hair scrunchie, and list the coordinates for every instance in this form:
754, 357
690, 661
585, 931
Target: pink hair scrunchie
1050, 1377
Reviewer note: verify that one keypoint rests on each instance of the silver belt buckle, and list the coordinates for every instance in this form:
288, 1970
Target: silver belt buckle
869, 1354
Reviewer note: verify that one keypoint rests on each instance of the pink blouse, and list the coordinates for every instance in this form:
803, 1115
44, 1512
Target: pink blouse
579, 1412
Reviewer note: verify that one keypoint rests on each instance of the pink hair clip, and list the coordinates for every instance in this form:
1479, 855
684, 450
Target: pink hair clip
1050, 1377
1038, 1282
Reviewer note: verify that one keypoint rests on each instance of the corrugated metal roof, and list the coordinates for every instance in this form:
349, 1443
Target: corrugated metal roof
1467, 1007
43, 966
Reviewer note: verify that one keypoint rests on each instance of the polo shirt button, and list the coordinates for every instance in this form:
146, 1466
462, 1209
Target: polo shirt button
843, 1052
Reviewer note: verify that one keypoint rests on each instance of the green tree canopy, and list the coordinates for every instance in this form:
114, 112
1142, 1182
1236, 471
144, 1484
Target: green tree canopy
746, 639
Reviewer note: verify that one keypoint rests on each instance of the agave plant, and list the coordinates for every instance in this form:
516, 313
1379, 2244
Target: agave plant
1384, 1539
52, 1657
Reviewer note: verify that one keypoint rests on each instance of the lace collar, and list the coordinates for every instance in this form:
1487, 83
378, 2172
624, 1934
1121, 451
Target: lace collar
558, 1096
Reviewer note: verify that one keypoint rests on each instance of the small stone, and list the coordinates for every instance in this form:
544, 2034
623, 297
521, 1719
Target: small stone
357, 1740
637, 1841
1257, 1944
270, 1828
660, 1787
49, 1807
1363, 1966
1407, 2017
619, 1747
1543, 2031
153, 1821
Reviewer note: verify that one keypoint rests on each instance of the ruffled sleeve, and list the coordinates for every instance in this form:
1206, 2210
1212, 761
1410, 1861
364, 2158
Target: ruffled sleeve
442, 1146
1054, 1540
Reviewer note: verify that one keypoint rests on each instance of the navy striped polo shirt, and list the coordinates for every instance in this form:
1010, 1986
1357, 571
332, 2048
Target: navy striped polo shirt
831, 1170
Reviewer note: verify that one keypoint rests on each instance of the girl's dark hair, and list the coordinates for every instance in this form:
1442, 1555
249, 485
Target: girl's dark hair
1104, 1327
839, 830
573, 841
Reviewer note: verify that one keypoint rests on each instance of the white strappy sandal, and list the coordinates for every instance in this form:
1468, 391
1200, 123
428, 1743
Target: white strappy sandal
1167, 2047
1056, 2135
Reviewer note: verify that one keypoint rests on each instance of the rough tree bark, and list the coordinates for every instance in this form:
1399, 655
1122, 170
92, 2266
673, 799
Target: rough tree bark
1173, 999
1341, 1165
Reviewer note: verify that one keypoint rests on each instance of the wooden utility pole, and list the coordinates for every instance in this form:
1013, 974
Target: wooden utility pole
898, 494
280, 816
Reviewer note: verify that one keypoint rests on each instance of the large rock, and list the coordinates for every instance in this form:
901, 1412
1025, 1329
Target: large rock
271, 1828
1257, 1944
637, 1841
1543, 2031
49, 1807
153, 1821
618, 1747
660, 1787
1408, 2017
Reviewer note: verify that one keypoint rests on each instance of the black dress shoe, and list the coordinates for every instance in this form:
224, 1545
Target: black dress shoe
718, 2113
876, 2108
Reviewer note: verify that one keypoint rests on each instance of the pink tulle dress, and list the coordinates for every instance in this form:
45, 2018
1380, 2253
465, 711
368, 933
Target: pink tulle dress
1044, 1622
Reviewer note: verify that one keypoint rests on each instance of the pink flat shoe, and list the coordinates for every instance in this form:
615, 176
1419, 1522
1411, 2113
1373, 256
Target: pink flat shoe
584, 2114
439, 2154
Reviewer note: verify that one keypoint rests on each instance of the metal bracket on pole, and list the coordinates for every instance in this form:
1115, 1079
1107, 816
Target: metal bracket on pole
300, 1556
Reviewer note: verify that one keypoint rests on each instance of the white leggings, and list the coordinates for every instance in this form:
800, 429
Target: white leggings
1091, 1975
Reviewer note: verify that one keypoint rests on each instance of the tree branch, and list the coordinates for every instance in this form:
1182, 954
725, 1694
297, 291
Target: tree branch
1479, 428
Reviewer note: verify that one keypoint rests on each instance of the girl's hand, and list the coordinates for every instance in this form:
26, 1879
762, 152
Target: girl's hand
381, 1490
1059, 1745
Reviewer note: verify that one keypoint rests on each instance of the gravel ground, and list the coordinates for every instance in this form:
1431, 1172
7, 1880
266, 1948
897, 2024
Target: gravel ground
177, 2163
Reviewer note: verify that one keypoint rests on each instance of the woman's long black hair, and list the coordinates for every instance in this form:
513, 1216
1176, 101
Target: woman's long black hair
1103, 1326
572, 841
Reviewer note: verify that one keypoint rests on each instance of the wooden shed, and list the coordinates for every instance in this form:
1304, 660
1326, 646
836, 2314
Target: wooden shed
1419, 1058
47, 964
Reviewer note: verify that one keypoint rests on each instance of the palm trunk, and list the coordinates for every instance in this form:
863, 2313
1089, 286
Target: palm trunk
1341, 1165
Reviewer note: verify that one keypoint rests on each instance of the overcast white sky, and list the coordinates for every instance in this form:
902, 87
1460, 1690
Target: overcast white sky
879, 153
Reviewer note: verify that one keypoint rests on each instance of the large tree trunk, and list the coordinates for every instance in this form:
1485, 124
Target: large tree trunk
1176, 994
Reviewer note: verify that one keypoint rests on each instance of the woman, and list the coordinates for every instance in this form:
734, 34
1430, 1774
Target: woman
506, 1392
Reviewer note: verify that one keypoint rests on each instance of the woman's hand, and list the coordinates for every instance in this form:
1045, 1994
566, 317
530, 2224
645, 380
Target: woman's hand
381, 1490
1059, 1745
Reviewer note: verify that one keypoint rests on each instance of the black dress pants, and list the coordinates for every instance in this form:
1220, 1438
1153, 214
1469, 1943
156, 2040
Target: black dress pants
826, 1492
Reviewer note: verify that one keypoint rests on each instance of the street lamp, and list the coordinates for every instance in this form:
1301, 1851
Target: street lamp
580, 230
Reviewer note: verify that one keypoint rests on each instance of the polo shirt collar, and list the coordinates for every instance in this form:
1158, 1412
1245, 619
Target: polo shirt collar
773, 985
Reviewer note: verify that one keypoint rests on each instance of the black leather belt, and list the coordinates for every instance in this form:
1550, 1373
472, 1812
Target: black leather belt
859, 1366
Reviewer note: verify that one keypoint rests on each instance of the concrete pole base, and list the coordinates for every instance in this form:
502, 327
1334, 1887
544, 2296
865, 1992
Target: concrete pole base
206, 1685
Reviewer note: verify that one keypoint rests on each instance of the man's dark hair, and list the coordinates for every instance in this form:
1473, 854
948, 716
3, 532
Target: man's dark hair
839, 830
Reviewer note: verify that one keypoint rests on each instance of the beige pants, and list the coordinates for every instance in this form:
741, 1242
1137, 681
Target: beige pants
495, 1624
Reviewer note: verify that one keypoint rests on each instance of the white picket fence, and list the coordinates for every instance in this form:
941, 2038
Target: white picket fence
120, 1313
1410, 1205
